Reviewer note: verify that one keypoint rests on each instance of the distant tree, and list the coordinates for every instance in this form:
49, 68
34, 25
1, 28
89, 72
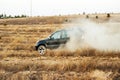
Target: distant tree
95, 12
17, 16
59, 14
83, 13
23, 16
4, 16
1, 16
9, 16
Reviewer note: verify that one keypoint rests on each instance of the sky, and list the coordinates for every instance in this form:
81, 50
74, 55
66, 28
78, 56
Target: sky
57, 7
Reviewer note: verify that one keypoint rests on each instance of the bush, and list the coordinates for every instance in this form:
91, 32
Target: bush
96, 17
87, 16
108, 15
66, 20
5, 24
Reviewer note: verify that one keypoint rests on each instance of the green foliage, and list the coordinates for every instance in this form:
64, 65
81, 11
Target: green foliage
4, 16
1, 16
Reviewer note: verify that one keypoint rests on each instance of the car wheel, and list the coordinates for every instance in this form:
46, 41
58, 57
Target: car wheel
42, 50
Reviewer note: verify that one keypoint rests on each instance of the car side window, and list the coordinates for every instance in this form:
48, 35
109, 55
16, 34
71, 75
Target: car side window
56, 35
64, 34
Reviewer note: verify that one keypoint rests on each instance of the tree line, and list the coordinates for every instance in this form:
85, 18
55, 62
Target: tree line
4, 16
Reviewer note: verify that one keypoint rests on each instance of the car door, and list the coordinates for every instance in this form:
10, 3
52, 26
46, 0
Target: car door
54, 40
64, 37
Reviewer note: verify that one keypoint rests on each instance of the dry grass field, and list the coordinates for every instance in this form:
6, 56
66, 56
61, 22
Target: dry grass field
19, 60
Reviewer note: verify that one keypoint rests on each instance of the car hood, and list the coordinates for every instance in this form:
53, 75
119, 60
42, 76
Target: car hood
41, 41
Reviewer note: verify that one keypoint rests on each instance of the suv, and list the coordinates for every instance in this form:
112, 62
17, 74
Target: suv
53, 41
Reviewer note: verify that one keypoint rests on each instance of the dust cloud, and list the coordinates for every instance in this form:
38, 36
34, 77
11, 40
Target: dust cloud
88, 34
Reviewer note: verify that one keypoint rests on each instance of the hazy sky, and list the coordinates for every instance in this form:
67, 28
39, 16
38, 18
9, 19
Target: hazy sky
56, 7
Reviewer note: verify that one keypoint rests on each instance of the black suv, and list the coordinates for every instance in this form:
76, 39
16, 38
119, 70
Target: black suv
53, 41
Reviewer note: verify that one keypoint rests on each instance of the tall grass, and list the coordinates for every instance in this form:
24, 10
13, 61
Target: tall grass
42, 67
19, 60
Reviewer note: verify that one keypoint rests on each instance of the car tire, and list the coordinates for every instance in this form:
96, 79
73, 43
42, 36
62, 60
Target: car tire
42, 49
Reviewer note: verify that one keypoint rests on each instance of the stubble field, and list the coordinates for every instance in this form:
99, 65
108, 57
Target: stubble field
19, 60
